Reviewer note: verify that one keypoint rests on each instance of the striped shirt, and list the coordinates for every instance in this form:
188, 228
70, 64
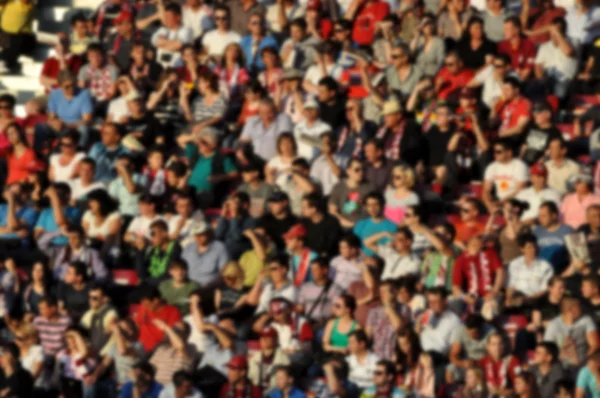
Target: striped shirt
167, 360
52, 333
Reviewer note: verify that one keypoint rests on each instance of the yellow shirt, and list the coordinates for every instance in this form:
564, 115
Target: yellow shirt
16, 17
252, 265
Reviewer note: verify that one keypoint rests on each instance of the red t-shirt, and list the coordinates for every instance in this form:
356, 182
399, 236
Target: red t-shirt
512, 111
20, 168
545, 19
365, 20
479, 269
452, 83
351, 78
326, 28
521, 57
465, 232
51, 66
499, 373
150, 335
250, 392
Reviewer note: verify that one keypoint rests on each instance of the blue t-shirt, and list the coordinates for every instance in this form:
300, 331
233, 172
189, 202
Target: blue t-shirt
105, 161
294, 393
153, 391
367, 227
70, 111
26, 214
587, 382
48, 223
553, 247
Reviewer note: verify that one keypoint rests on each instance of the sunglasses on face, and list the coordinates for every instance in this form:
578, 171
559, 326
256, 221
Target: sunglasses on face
220, 18
498, 151
273, 269
94, 298
397, 56
378, 373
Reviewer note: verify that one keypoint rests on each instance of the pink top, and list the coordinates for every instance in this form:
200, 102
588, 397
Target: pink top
573, 210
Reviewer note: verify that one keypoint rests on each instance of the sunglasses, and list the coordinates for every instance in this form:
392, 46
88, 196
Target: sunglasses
397, 177
397, 56
254, 23
498, 151
94, 298
273, 269
217, 18
378, 373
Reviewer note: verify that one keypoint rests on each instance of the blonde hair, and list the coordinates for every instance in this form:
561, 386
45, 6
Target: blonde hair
26, 331
233, 270
407, 173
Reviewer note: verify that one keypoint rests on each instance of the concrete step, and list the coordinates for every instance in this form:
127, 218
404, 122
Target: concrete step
20, 83
32, 70
39, 54
86, 3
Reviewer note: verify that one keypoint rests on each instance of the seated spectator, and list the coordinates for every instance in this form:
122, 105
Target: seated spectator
77, 249
64, 166
237, 380
234, 220
39, 286
101, 223
196, 15
206, 251
506, 175
400, 136
279, 286
106, 152
500, 369
17, 381
574, 205
154, 255
560, 168
317, 297
338, 329
588, 376
547, 368
397, 253
180, 223
171, 37
99, 77
73, 292
550, 234
100, 319
452, 77
174, 354
520, 50
361, 362
468, 346
51, 326
153, 308
142, 382
54, 219
347, 267
278, 220
298, 50
82, 186
437, 324
17, 219
138, 230
399, 195
345, 201
263, 363
63, 59
178, 287
215, 41
182, 386
284, 381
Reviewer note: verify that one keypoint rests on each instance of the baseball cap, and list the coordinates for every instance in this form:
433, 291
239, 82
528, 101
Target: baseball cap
390, 107
268, 331
296, 231
277, 196
123, 16
538, 169
311, 103
278, 305
313, 5
200, 227
238, 362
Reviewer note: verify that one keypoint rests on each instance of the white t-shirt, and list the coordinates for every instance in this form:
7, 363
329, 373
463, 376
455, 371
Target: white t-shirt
306, 134
437, 332
79, 192
555, 63
184, 234
284, 170
396, 264
320, 171
361, 374
34, 355
64, 173
272, 16
314, 73
216, 41
140, 225
492, 89
535, 199
94, 230
506, 177
198, 21
171, 58
198, 338
117, 109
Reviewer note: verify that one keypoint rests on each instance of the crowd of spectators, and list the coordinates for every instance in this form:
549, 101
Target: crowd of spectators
290, 198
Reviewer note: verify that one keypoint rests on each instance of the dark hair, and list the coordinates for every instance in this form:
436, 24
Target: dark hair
564, 384
49, 300
242, 196
174, 8
300, 23
62, 190
449, 228
280, 258
351, 240
212, 79
390, 368
80, 268
99, 287
360, 336
415, 348
437, 291
376, 195
406, 232
513, 19
512, 81
525, 238
89, 161
591, 278
350, 302
255, 87
474, 321
78, 17
321, 261
179, 263
505, 58
224, 8
551, 348
284, 136
551, 206
105, 201
562, 24
146, 368
344, 23
301, 162
315, 200
329, 82
285, 368
47, 278
150, 293
407, 282
8, 98
20, 132
379, 144
160, 224
95, 47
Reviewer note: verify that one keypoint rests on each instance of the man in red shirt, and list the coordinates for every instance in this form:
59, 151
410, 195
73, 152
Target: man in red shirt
499, 370
238, 385
470, 223
520, 49
152, 307
366, 14
63, 59
515, 111
542, 18
452, 78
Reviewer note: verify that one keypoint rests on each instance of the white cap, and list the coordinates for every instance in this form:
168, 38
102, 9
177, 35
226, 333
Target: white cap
199, 227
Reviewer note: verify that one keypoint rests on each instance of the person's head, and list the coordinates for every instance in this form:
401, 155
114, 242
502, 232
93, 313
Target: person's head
570, 306
298, 29
556, 287
144, 372
256, 24
270, 57
443, 116
474, 325
469, 209
495, 5
48, 307
453, 62
159, 233
95, 55
233, 55
208, 83
548, 214
278, 267
374, 150
474, 379
63, 191
403, 177
9, 356
183, 383
593, 362
68, 142
40, 273
349, 246
278, 203
590, 286
7, 105
526, 385
147, 206
280, 310
344, 306
97, 296
582, 184
564, 388
502, 65
233, 275
528, 245
76, 273
319, 269
111, 134
557, 149
436, 299
475, 244
301, 167
311, 110
25, 335
387, 291
268, 339
474, 29
400, 55
495, 345
87, 170
150, 298
327, 89
357, 342
457, 5
392, 113
202, 233
286, 145
546, 353
342, 30
172, 16
295, 238
312, 204
561, 26
374, 203
403, 239
408, 344
267, 111
124, 23
384, 374
241, 201
75, 236
178, 270
100, 202
539, 175
502, 151
79, 25
512, 28
284, 379
15, 135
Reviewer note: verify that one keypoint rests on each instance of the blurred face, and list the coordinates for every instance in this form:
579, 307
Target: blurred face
529, 250
13, 135
593, 217
296, 33
221, 20
340, 34
404, 344
47, 311
147, 209
137, 53
582, 188
307, 210
183, 207
468, 212
356, 171
387, 294
94, 206
510, 31
496, 347
399, 57
475, 244
86, 172
267, 113
184, 389
277, 272
125, 28
372, 154
555, 150
318, 272
458, 5
70, 275
278, 208
74, 239
292, 244
255, 25
509, 91
452, 64
588, 289
110, 137
542, 117
339, 308
67, 145
38, 272
380, 377
398, 178
6, 109
545, 217
373, 207
201, 239
232, 53
401, 242
324, 94
390, 121
557, 289
476, 31
354, 346
269, 59
521, 386
347, 251
471, 379
494, 5
538, 181
500, 68
267, 343
80, 28
501, 153
282, 380
311, 114
234, 375
442, 117
541, 355
436, 303
158, 236
95, 58
95, 299
171, 19
178, 274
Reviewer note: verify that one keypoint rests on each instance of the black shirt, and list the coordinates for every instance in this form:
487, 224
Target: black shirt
379, 176
593, 242
75, 301
323, 237
19, 384
475, 59
333, 114
147, 125
276, 228
549, 310
437, 144
537, 140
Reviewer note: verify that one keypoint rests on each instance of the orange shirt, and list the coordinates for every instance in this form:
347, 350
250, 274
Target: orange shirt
19, 168
465, 232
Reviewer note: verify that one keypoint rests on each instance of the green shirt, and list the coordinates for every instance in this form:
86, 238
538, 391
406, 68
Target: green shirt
178, 297
202, 168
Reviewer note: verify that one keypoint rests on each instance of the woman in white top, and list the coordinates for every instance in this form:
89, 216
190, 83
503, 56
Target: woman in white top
399, 195
101, 221
31, 354
85, 183
64, 165
279, 169
118, 111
